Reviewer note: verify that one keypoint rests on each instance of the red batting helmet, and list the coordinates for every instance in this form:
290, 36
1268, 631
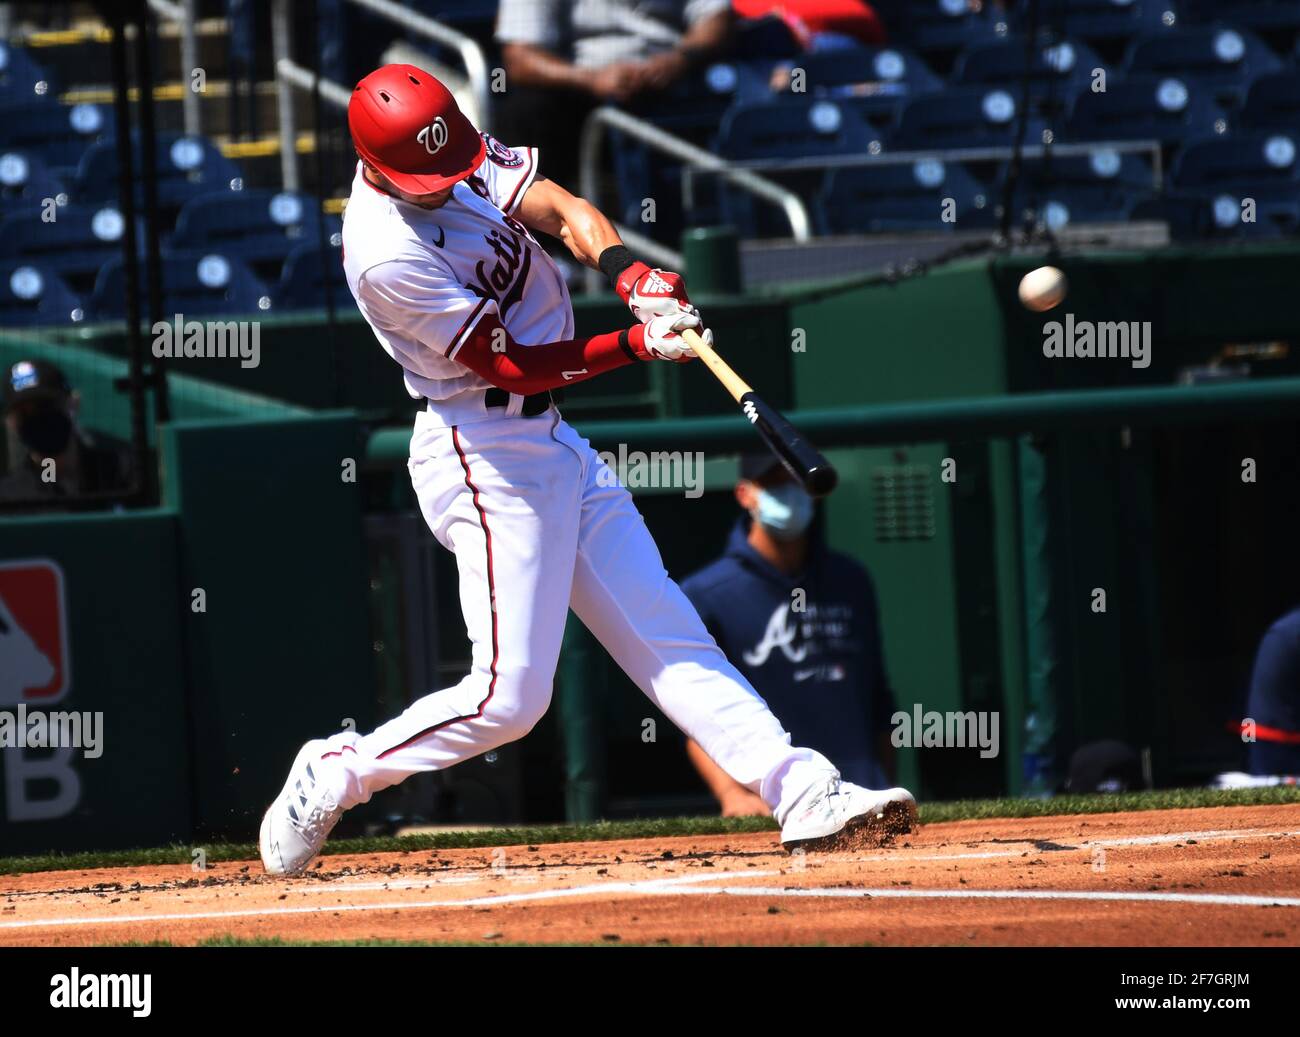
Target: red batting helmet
407, 125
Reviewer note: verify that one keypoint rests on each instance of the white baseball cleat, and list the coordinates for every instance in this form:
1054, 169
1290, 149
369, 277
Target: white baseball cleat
838, 815
302, 816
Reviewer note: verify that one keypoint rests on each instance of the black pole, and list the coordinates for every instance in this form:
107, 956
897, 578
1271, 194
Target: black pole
1022, 126
149, 183
135, 382
322, 239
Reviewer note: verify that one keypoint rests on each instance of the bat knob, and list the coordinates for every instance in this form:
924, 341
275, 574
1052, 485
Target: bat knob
822, 480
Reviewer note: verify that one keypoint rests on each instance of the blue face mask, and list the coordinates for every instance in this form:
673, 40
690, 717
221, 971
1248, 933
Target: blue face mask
785, 511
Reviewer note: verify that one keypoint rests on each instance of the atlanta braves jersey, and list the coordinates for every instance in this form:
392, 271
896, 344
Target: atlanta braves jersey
424, 278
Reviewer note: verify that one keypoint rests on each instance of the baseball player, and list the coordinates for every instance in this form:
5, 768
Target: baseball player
440, 255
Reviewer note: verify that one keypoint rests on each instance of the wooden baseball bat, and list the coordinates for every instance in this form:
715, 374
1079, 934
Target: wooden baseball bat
803, 460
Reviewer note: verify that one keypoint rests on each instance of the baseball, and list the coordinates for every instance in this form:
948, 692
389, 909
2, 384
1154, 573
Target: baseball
1043, 288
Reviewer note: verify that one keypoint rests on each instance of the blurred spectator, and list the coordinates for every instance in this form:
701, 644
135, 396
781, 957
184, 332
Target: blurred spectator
821, 24
563, 58
1274, 701
800, 621
55, 461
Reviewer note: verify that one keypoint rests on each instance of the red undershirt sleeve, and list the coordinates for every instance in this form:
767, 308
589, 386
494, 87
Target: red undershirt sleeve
490, 352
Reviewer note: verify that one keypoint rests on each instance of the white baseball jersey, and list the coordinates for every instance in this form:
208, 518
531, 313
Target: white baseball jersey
534, 517
423, 278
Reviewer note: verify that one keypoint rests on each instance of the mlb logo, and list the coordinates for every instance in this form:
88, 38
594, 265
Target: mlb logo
33, 634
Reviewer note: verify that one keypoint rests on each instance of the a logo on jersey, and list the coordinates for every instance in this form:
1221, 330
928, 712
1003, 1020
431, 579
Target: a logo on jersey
500, 154
441, 239
434, 136
33, 633
780, 634
504, 281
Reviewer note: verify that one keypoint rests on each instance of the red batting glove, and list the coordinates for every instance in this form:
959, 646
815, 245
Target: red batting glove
652, 293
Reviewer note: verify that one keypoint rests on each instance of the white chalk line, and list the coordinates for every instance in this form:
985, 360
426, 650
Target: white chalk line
688, 886
602, 888
673, 887
1086, 846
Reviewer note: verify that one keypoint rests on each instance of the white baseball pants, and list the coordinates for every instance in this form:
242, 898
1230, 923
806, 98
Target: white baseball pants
537, 530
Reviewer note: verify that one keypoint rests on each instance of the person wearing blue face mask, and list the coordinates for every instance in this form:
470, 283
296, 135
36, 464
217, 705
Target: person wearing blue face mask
801, 623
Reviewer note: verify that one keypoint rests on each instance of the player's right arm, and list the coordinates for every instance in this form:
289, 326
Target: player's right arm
422, 304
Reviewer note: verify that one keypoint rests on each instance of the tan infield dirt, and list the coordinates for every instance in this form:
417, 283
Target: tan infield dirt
1216, 877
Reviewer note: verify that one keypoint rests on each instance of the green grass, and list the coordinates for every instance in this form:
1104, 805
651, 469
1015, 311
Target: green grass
228, 940
605, 831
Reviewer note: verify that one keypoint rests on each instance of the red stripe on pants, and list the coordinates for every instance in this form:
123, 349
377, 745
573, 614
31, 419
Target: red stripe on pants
492, 600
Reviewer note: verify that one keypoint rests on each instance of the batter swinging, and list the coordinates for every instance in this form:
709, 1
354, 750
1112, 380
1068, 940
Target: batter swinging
439, 254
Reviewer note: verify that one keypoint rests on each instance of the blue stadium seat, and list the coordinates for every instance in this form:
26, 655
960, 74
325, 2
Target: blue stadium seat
32, 294
194, 284
1260, 166
1059, 69
903, 197
1223, 58
1259, 159
26, 182
259, 227
1100, 187
880, 79
1258, 15
964, 117
1103, 169
1160, 108
1103, 20
309, 273
694, 107
1272, 101
21, 77
58, 133
1198, 215
937, 25
1187, 216
784, 129
794, 127
829, 70
185, 168
74, 246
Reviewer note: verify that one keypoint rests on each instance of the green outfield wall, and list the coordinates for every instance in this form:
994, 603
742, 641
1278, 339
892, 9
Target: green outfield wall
986, 582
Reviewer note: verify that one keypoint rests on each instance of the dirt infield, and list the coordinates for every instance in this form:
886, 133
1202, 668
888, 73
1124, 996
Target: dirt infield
1223, 876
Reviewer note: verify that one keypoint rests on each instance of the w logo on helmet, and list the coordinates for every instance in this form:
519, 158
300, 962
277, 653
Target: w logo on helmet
434, 136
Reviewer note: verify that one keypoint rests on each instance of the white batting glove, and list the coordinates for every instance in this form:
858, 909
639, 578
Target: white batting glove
663, 340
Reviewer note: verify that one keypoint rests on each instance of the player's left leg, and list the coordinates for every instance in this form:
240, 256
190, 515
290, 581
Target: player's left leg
626, 598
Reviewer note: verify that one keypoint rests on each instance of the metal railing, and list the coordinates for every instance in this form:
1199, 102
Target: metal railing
185, 14
289, 74
1150, 148
467, 48
606, 117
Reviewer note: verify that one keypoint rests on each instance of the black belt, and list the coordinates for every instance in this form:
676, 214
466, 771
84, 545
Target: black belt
537, 403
